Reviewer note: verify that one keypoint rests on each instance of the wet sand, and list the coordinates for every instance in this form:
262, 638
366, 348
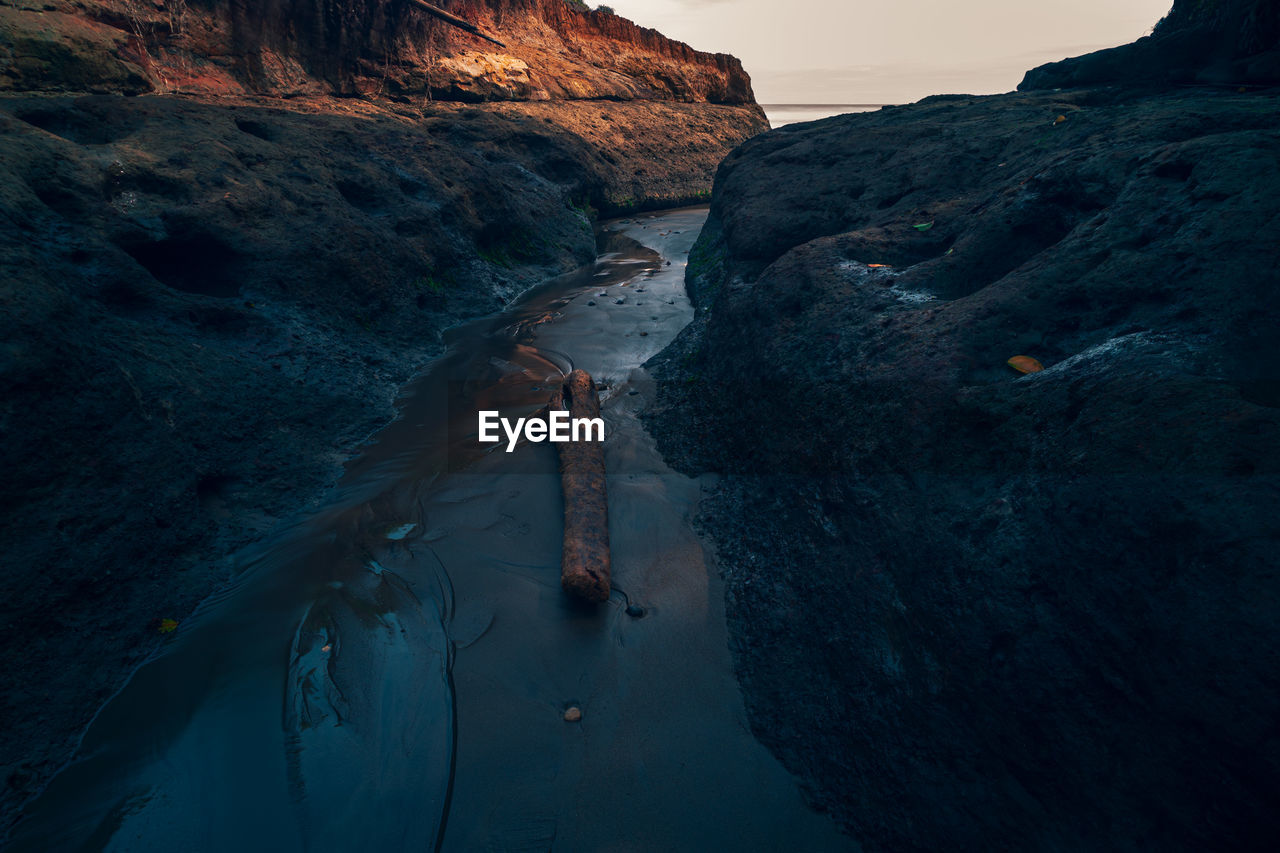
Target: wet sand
393, 668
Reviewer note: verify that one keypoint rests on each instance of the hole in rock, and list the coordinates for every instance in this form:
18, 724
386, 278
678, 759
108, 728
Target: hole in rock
80, 126
214, 492
198, 264
1176, 170
256, 128
359, 195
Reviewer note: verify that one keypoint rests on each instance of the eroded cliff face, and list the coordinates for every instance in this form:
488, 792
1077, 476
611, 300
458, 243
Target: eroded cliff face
617, 82
391, 48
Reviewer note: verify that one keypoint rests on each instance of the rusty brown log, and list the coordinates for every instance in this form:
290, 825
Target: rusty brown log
584, 566
460, 23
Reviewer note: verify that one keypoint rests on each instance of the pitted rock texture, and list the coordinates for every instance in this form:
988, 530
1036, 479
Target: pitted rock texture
975, 609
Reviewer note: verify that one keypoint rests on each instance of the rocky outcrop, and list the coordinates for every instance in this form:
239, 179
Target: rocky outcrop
233, 230
976, 609
1224, 42
553, 50
613, 82
573, 53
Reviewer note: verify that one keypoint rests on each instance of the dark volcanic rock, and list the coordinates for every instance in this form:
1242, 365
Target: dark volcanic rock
1231, 42
976, 609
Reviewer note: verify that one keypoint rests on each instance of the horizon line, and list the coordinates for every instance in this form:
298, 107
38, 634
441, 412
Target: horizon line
782, 104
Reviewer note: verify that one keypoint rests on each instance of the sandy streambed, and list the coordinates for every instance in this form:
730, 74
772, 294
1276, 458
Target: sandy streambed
392, 670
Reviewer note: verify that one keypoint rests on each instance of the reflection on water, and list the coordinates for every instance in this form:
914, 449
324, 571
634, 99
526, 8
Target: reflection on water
391, 671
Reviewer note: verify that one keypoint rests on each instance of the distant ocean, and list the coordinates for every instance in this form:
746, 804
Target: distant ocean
784, 114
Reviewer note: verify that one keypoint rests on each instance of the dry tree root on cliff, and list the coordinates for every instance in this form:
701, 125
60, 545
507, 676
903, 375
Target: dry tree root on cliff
461, 23
584, 567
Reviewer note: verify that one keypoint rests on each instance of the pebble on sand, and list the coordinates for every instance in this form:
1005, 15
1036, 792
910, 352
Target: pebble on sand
572, 714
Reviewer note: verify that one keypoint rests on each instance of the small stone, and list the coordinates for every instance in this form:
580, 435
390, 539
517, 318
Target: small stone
619, 300
572, 714
635, 611
591, 302
644, 334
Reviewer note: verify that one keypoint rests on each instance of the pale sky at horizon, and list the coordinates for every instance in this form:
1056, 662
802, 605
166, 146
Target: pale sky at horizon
892, 51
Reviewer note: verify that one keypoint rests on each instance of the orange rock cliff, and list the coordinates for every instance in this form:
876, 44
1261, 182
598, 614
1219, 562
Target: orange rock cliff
553, 50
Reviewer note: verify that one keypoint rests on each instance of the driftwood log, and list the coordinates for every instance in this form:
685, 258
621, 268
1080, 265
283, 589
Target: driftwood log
460, 23
584, 566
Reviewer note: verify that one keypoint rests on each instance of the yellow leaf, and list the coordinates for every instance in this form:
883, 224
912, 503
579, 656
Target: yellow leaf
877, 266
1025, 364
1059, 120
168, 626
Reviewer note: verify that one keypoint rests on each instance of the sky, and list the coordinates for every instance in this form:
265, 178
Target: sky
893, 51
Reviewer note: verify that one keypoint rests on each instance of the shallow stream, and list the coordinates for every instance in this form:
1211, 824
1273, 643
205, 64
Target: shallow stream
391, 671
